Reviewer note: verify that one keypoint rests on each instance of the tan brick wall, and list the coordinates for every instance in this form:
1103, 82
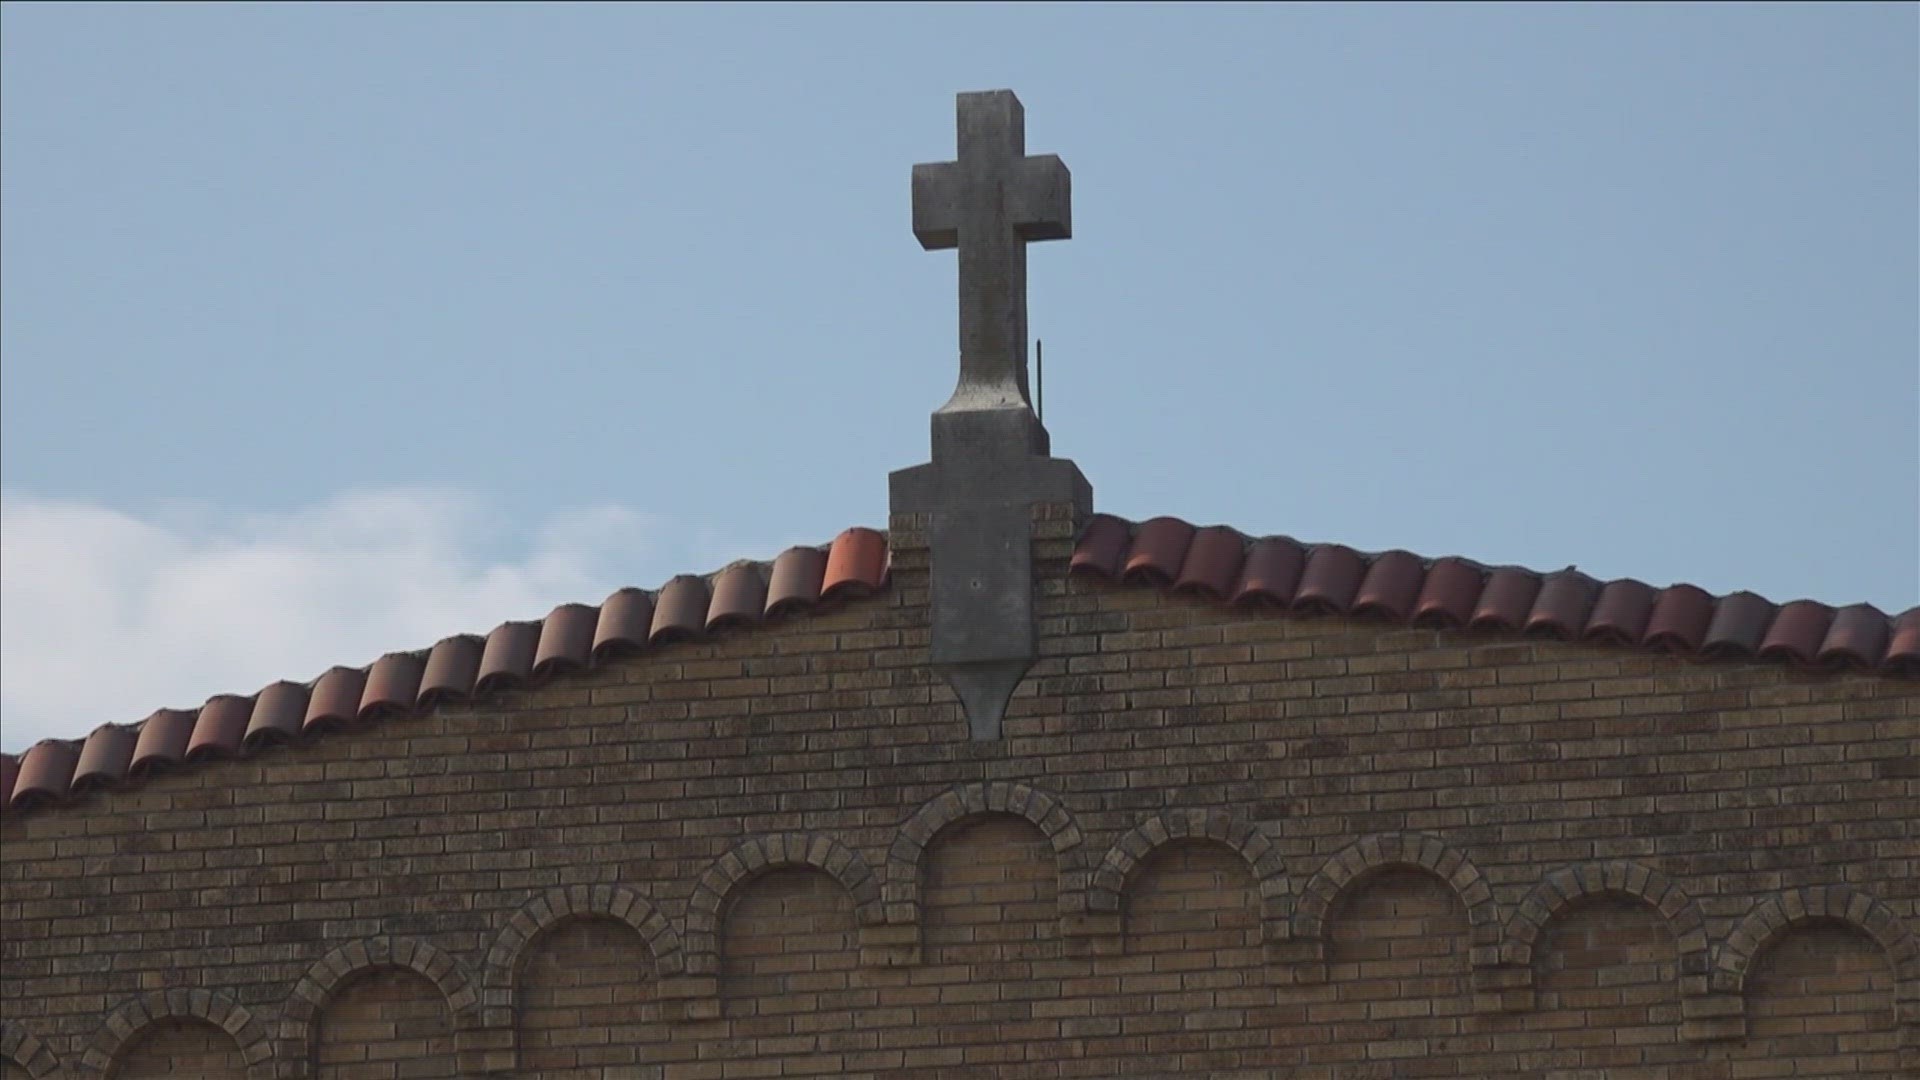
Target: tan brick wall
1211, 842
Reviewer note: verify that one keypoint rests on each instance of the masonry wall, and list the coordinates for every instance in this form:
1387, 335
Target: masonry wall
1211, 842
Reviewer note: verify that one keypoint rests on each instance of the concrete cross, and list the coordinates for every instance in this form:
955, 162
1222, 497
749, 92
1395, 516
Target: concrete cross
990, 204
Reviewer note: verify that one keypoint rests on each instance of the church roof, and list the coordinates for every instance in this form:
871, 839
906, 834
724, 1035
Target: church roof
1399, 587
570, 638
1273, 574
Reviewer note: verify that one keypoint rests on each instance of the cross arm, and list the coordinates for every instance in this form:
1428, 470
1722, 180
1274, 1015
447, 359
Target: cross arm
936, 205
1040, 198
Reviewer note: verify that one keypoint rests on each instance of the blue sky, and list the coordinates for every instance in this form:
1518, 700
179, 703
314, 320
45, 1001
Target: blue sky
335, 329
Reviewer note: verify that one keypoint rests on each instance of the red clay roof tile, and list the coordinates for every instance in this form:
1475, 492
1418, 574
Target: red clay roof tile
392, 686
739, 597
1212, 563
1507, 600
105, 757
277, 714
1903, 645
1566, 596
1331, 578
1740, 621
797, 576
163, 741
855, 564
1448, 594
507, 658
1681, 617
453, 666
566, 640
46, 770
336, 699
1857, 638
1391, 586
1271, 572
1102, 547
680, 611
1620, 615
1797, 631
626, 622
1451, 591
221, 726
1158, 550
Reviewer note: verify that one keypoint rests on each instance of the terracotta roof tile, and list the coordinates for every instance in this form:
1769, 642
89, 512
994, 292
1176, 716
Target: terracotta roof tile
335, 700
1560, 611
1857, 638
739, 597
1391, 587
1740, 622
1212, 563
1620, 615
797, 577
626, 622
1103, 546
856, 564
105, 757
680, 611
45, 771
507, 657
1447, 595
404, 683
453, 667
1903, 646
220, 727
1454, 591
1158, 550
392, 686
277, 714
163, 741
1681, 617
1507, 599
566, 640
1331, 578
1271, 572
1797, 631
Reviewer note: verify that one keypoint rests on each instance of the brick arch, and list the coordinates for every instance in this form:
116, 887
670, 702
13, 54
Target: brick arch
1044, 810
1242, 837
1837, 903
213, 1007
757, 856
1562, 888
1383, 851
499, 976
25, 1049
334, 970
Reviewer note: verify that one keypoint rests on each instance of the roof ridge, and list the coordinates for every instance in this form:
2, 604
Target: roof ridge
1449, 591
571, 637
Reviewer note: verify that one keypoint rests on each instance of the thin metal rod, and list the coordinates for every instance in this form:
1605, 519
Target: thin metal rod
1040, 379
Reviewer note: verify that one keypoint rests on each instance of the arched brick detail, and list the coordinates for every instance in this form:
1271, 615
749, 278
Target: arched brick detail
332, 971
758, 856
1397, 849
125, 1023
1243, 837
1045, 811
25, 1049
499, 976
1839, 903
1616, 877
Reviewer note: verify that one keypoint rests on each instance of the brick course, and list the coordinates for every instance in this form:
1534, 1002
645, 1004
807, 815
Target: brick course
1211, 842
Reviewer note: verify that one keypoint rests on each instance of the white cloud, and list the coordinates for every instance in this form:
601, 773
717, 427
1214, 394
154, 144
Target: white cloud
107, 615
